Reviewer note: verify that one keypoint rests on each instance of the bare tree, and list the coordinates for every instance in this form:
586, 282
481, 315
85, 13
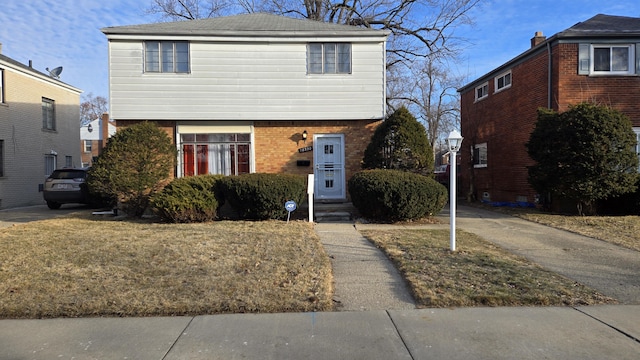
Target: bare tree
190, 9
92, 107
432, 94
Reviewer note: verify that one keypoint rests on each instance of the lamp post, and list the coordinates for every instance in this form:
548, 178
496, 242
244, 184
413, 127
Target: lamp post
453, 143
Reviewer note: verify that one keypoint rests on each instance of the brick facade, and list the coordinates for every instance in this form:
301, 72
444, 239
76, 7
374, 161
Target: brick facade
504, 120
276, 143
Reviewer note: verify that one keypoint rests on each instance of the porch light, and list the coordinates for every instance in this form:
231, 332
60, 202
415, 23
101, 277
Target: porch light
453, 143
304, 136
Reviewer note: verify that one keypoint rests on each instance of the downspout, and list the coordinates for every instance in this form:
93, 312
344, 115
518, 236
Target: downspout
549, 77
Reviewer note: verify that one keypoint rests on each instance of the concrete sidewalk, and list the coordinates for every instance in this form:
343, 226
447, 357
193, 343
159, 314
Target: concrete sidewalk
390, 328
600, 332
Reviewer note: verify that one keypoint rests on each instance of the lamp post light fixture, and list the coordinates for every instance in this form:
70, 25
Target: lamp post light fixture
453, 144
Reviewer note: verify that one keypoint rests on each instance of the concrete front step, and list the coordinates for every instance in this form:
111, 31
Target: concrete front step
333, 212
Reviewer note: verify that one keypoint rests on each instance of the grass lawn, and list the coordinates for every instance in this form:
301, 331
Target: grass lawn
480, 274
87, 266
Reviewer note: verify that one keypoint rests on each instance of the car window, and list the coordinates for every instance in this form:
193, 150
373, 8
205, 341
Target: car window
68, 174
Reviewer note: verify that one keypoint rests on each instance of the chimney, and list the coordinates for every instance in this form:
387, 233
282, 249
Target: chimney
30, 63
538, 38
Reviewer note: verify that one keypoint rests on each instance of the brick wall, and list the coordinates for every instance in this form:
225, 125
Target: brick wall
504, 121
619, 92
277, 144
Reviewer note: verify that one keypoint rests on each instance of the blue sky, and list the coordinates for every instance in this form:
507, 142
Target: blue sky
67, 33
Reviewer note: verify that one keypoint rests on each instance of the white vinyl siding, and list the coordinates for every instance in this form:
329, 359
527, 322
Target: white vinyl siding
247, 81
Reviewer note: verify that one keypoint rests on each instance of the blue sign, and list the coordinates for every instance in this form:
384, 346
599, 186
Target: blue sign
290, 205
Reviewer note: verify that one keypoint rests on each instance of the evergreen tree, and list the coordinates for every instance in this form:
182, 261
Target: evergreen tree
401, 143
584, 154
135, 164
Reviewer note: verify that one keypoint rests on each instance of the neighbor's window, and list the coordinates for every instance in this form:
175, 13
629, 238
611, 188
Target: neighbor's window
329, 58
503, 81
482, 91
226, 154
480, 155
49, 164
606, 59
68, 161
166, 56
48, 114
87, 146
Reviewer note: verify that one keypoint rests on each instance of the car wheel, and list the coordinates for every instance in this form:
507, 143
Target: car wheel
53, 205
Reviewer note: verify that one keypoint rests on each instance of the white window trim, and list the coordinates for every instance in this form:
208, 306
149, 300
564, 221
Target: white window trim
502, 76
637, 131
324, 71
486, 93
480, 146
632, 60
88, 149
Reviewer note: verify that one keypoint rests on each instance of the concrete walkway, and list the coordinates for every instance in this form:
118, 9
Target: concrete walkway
364, 278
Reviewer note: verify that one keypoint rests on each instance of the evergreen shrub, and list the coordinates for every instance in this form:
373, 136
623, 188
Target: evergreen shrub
260, 196
189, 199
394, 195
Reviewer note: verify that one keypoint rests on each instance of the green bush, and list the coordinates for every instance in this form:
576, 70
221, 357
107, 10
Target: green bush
262, 196
401, 143
394, 195
189, 199
136, 163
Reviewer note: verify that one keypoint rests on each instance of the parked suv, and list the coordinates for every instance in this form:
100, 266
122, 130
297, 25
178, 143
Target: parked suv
65, 186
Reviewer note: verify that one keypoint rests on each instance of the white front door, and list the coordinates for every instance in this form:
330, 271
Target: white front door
328, 156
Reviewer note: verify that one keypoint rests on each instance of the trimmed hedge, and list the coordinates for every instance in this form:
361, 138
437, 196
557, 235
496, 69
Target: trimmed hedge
262, 196
394, 195
189, 199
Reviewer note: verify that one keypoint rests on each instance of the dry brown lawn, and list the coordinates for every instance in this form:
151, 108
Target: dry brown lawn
87, 266
479, 274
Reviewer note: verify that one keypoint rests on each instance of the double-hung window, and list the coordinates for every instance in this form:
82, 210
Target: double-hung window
479, 155
607, 59
87, 145
166, 56
329, 58
503, 81
50, 161
48, 114
482, 91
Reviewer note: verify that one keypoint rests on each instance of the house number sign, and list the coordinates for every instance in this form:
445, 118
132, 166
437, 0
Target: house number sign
305, 149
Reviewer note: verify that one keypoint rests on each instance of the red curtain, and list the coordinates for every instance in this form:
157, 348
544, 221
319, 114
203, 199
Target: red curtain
188, 160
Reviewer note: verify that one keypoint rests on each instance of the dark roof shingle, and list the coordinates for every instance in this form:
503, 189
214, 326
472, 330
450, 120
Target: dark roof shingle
257, 24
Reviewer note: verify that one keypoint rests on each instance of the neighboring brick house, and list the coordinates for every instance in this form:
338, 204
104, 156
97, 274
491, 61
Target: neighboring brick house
237, 93
93, 137
595, 60
39, 131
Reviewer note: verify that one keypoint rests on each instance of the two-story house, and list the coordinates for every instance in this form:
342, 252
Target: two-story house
597, 60
39, 131
93, 137
254, 93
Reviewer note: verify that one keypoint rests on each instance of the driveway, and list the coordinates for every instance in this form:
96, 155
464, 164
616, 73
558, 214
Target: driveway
17, 216
608, 268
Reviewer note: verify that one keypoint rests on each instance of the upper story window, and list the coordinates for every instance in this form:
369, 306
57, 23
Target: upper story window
87, 145
482, 91
329, 58
503, 81
48, 114
166, 56
607, 59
